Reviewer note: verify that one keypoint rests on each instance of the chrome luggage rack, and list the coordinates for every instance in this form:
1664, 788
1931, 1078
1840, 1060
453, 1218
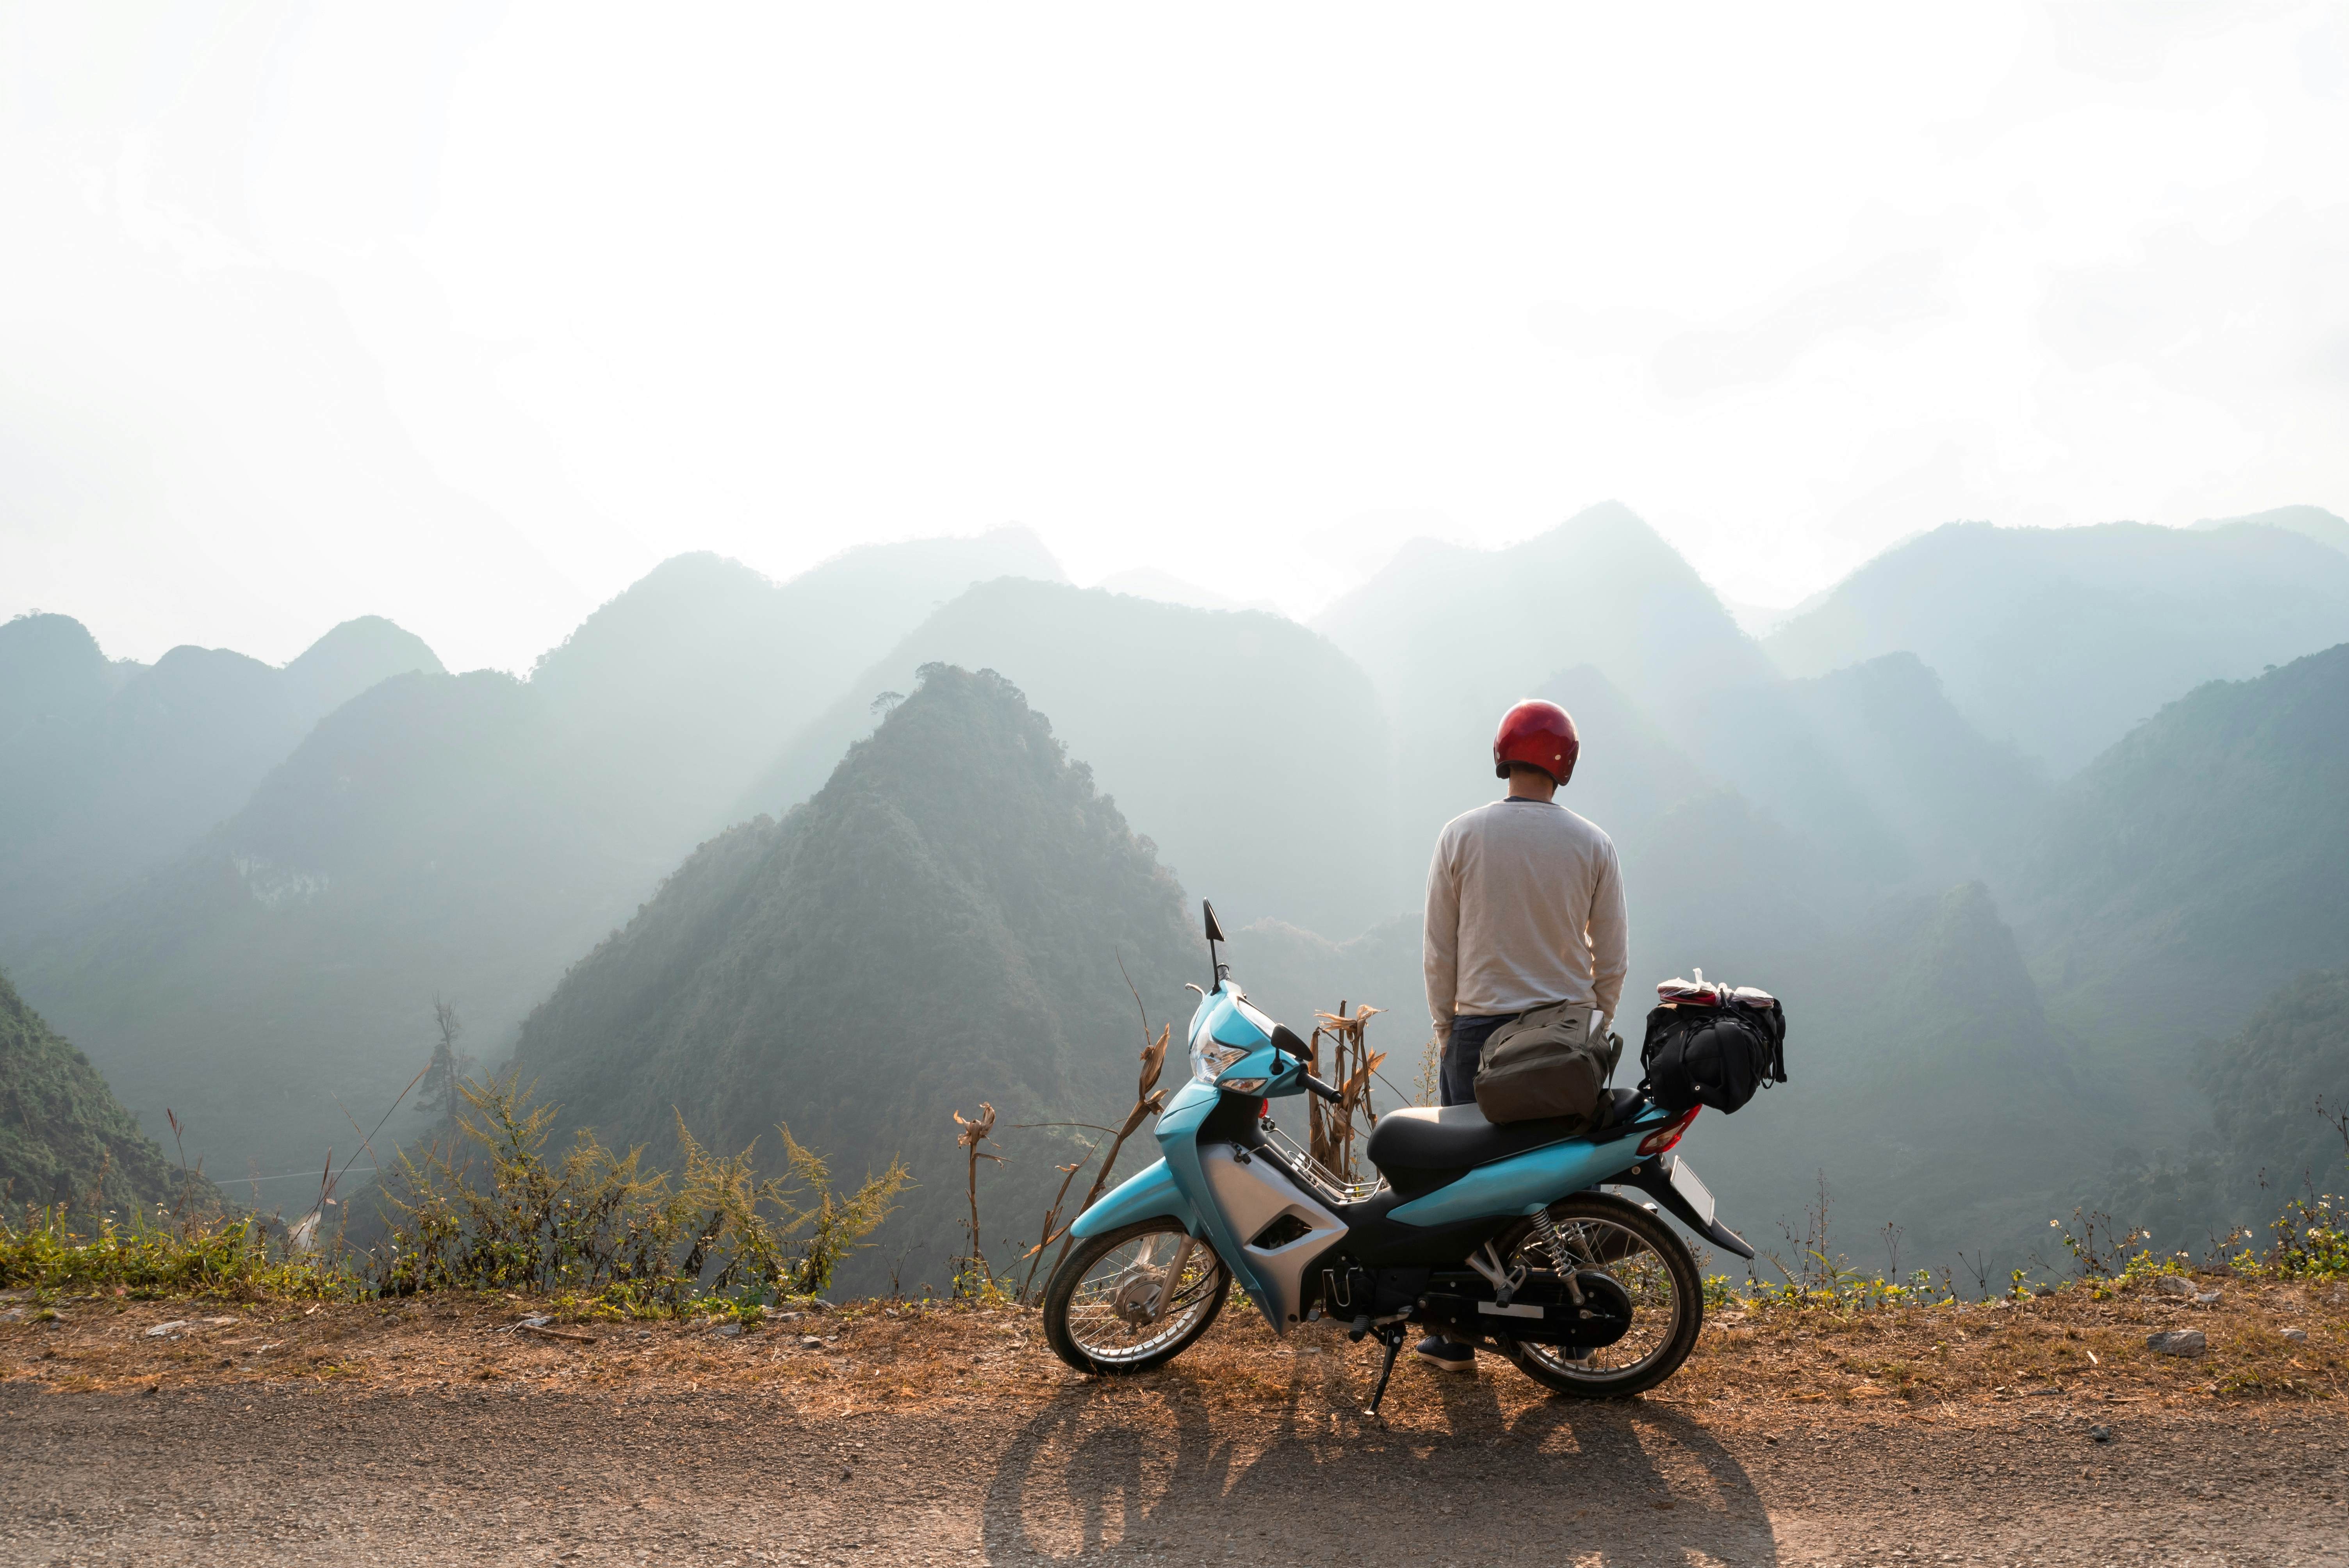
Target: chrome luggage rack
1326, 1183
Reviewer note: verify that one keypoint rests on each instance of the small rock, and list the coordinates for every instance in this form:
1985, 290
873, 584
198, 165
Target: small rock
14, 1314
2100, 1433
2043, 1290
729, 1331
2337, 1296
810, 1342
2207, 1299
2179, 1342
2172, 1284
2297, 1335
160, 1329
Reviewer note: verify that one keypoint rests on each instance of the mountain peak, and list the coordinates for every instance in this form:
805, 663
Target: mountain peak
50, 668
942, 923
354, 656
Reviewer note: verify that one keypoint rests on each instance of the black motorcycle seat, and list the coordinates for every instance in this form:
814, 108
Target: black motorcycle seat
1457, 1136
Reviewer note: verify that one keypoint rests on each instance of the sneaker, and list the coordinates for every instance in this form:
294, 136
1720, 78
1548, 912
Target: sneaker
1438, 1351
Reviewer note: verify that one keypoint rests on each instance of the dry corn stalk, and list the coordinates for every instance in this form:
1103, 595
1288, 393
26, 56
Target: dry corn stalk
974, 1132
1334, 1129
1148, 1100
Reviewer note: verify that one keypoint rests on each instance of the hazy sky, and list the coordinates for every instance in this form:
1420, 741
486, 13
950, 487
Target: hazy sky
466, 314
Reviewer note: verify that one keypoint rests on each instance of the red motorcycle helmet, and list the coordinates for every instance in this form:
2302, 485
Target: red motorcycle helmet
1536, 734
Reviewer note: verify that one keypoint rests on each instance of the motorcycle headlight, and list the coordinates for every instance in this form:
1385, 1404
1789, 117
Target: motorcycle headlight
1210, 1057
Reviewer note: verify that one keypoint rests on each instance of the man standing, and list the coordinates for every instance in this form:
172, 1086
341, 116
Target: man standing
1525, 909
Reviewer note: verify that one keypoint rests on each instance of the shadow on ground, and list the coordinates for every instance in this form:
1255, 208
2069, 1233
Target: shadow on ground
1140, 1466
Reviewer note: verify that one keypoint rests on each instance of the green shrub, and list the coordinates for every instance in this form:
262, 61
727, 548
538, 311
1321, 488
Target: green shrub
490, 1211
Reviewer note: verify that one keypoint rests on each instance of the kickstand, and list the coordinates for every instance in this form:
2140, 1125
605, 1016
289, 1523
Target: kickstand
1391, 1337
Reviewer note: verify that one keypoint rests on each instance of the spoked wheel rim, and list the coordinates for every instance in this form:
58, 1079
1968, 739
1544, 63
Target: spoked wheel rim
1109, 1315
1610, 1246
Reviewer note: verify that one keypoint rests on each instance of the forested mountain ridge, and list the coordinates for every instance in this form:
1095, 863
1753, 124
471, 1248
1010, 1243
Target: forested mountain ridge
2059, 641
1251, 750
64, 1137
2279, 1085
2195, 867
2275, 1091
941, 923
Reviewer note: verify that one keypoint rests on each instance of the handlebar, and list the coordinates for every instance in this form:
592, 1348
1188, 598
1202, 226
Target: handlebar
1323, 1090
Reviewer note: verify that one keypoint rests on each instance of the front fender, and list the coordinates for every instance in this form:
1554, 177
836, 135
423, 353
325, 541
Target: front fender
1147, 1195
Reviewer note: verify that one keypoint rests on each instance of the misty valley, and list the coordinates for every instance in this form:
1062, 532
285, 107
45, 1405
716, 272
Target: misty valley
2038, 835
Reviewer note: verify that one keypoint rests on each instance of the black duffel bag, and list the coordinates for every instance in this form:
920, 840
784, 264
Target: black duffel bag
1714, 1053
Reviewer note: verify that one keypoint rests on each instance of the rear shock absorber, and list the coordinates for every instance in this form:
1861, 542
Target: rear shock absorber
1555, 1244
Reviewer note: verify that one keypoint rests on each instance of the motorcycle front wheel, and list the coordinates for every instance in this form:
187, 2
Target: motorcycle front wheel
1103, 1312
1643, 1255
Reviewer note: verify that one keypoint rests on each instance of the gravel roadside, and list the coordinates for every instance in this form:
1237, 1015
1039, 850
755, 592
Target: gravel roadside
467, 1430
1152, 1473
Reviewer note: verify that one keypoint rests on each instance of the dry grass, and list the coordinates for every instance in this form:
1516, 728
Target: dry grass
1966, 1364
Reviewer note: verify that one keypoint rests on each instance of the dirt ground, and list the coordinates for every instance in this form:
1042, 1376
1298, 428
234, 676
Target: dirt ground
2038, 1433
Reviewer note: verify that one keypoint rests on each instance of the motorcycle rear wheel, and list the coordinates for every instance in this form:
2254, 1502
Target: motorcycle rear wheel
1091, 1306
1646, 1257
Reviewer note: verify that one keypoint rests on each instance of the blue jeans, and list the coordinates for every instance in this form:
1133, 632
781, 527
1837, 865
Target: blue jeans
1462, 1050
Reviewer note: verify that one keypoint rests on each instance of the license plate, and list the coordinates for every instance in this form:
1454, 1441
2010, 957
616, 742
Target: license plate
1699, 1196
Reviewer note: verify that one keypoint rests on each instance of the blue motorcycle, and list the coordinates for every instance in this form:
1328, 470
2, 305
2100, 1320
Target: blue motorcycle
1499, 1237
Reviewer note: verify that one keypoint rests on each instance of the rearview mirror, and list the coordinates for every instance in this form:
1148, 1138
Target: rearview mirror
1214, 932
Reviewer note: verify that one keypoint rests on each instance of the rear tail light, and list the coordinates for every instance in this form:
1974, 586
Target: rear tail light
1664, 1136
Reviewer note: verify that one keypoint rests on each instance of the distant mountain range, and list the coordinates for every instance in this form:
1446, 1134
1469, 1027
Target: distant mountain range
2021, 828
1253, 749
106, 770
2058, 641
1450, 637
462, 837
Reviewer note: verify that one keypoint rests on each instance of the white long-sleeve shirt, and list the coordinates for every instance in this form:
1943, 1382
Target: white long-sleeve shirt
1525, 907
